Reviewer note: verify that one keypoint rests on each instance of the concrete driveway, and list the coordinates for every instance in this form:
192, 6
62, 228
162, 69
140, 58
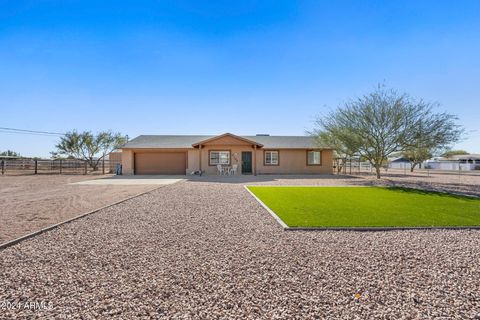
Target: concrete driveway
134, 180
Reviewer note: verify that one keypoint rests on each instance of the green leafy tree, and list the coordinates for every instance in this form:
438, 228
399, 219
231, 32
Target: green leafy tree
433, 134
346, 146
88, 146
448, 154
384, 122
10, 153
416, 156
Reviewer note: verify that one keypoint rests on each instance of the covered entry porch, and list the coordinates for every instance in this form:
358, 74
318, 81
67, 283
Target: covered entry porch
227, 154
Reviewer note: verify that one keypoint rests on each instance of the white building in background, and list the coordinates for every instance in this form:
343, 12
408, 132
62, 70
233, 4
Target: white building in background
399, 163
464, 162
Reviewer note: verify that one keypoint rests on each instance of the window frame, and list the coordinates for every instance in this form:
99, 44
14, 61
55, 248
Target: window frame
265, 158
219, 151
314, 164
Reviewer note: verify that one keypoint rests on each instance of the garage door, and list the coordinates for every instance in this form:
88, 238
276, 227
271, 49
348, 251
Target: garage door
160, 163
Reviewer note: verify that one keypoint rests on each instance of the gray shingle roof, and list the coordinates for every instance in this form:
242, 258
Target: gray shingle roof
180, 141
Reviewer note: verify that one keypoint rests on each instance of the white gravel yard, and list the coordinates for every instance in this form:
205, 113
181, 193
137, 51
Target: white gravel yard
206, 250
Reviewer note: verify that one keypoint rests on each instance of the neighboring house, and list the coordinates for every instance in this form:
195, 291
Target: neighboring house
399, 163
456, 162
260, 154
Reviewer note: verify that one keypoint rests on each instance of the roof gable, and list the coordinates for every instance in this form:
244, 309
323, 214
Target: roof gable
227, 139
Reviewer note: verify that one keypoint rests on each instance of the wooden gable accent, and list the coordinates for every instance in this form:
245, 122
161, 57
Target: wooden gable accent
227, 139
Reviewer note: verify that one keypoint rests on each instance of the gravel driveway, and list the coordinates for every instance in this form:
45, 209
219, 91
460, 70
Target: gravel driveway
198, 250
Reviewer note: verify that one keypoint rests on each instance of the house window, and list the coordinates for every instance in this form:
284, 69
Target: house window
219, 157
314, 158
271, 158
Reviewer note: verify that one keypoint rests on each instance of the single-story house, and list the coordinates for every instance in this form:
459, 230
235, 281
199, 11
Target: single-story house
260, 154
464, 162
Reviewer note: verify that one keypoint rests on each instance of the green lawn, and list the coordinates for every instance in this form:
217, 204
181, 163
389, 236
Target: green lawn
368, 207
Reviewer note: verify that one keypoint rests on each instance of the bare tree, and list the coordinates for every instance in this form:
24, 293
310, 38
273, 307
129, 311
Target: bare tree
89, 147
384, 122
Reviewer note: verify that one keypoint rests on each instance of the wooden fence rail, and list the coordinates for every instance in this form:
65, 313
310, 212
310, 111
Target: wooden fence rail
34, 166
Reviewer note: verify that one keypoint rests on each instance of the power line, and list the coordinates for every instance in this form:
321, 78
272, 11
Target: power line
29, 133
33, 132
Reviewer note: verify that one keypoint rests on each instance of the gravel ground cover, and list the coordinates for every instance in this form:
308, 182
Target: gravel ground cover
467, 183
31, 202
206, 250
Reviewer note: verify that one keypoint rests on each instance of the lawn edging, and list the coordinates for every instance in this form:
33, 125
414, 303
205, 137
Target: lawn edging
56, 225
361, 229
370, 229
273, 214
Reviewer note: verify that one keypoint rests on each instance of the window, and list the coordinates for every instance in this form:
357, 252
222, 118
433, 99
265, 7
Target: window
219, 157
314, 158
271, 158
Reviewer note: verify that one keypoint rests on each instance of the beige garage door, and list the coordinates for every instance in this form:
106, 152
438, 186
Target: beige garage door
160, 163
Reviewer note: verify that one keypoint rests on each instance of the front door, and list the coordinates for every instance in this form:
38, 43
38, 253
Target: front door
246, 162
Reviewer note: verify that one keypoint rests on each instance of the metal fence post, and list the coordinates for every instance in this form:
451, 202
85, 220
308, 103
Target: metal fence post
36, 166
3, 167
61, 166
103, 165
85, 167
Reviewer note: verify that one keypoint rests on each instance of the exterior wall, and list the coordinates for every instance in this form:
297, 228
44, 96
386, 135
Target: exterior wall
291, 161
192, 161
127, 161
449, 165
294, 161
399, 165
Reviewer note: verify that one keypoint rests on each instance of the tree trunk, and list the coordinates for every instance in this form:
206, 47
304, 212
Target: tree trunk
412, 166
377, 170
93, 164
341, 164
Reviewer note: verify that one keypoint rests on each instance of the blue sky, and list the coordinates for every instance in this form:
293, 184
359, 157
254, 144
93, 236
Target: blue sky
208, 67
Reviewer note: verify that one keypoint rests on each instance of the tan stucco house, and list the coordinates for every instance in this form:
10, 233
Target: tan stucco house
260, 154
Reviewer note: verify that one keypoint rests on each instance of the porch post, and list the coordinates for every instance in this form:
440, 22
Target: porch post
200, 157
255, 160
